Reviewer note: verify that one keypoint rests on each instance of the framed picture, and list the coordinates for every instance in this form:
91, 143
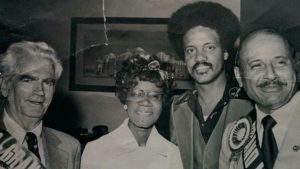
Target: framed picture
97, 48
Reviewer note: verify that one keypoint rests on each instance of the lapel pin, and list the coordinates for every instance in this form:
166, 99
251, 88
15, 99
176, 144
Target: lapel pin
296, 147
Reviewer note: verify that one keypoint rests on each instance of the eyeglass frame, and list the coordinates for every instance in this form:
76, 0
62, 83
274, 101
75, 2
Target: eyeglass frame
139, 95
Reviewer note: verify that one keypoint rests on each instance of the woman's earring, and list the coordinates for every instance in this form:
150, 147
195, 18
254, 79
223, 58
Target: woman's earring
125, 107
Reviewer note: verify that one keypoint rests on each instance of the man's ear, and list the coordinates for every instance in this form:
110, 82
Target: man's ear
238, 76
5, 83
226, 55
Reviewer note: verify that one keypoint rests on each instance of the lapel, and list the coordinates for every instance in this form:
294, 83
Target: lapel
199, 144
213, 146
289, 153
235, 109
55, 156
2, 126
184, 122
190, 139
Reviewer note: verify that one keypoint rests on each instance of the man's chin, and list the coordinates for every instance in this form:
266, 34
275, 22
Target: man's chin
272, 105
35, 114
203, 79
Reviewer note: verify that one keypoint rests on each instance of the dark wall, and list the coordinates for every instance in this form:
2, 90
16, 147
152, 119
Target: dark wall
49, 21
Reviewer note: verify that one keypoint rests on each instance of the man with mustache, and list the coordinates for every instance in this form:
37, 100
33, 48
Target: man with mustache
203, 34
29, 72
268, 137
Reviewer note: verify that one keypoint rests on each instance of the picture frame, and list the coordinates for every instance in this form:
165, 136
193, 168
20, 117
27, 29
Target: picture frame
97, 43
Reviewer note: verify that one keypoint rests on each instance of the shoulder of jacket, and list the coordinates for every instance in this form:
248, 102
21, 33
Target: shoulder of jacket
241, 104
185, 97
66, 138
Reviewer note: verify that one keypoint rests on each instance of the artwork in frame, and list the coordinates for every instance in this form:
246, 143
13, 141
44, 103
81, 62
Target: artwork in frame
97, 50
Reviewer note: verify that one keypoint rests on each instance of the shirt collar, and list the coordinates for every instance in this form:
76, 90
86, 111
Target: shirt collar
282, 116
155, 141
193, 101
17, 131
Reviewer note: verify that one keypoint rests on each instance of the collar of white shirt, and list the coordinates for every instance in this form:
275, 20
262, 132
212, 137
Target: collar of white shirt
282, 116
155, 141
17, 131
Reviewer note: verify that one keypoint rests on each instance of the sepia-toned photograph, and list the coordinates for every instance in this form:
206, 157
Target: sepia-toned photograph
149, 84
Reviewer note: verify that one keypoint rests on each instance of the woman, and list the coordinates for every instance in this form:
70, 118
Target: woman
142, 86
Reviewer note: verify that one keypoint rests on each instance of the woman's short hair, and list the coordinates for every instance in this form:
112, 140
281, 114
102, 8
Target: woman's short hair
137, 67
9, 61
206, 14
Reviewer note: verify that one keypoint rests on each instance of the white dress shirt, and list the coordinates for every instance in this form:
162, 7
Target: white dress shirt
19, 133
119, 150
282, 117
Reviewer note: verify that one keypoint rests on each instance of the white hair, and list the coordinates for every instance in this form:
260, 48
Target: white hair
9, 60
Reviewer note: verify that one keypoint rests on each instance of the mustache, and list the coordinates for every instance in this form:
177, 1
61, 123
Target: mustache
202, 63
272, 83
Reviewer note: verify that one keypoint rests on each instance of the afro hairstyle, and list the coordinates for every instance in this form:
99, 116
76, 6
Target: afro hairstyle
206, 14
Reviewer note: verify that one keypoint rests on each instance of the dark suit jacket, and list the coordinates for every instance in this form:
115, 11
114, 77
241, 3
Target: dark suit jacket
289, 153
185, 132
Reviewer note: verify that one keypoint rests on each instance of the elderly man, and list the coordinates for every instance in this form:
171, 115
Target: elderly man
268, 137
203, 34
29, 73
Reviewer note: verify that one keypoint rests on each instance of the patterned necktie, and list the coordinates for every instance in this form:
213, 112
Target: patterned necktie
32, 143
269, 146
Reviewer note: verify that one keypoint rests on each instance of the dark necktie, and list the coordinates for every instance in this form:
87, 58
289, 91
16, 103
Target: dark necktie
32, 143
269, 146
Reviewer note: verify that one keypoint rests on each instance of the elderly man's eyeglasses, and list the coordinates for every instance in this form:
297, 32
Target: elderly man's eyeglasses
140, 95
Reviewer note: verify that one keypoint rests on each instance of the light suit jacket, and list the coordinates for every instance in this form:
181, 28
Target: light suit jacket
61, 150
186, 134
289, 153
